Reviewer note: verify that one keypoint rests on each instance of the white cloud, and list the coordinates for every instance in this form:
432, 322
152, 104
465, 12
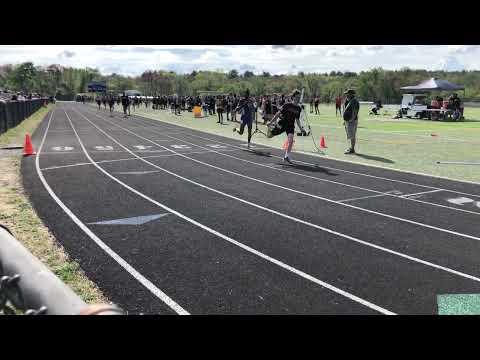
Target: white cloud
450, 63
276, 59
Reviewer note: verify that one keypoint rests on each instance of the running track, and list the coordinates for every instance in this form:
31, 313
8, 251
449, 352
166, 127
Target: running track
238, 232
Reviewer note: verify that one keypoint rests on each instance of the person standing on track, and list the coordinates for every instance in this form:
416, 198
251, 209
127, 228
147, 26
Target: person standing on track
125, 105
350, 117
247, 108
104, 101
111, 103
288, 114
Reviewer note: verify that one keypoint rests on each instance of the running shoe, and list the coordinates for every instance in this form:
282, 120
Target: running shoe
234, 129
287, 159
349, 151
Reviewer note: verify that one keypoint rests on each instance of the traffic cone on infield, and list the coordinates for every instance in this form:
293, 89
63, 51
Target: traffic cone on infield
28, 147
322, 143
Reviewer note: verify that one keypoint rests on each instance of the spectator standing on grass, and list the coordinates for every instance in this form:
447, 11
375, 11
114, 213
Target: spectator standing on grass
212, 105
338, 105
220, 109
317, 102
350, 117
312, 100
234, 106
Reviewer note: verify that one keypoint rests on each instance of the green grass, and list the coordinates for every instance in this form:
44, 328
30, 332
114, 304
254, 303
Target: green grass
19, 216
402, 144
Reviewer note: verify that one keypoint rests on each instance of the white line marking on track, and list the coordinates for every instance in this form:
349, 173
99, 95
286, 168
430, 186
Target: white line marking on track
330, 181
363, 197
239, 244
174, 126
418, 260
343, 160
62, 148
273, 166
420, 193
460, 201
136, 220
152, 121
127, 159
139, 277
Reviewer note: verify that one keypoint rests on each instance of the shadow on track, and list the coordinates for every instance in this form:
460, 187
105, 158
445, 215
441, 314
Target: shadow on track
315, 168
258, 153
375, 158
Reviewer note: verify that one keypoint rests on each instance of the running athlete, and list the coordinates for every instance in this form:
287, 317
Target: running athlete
125, 105
111, 104
104, 101
99, 102
247, 108
288, 114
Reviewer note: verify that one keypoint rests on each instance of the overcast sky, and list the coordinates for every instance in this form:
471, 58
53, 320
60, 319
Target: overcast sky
285, 59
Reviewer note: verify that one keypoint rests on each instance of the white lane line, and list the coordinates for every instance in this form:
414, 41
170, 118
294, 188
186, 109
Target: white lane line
158, 125
325, 180
272, 166
468, 276
361, 198
139, 277
173, 126
126, 159
239, 244
420, 193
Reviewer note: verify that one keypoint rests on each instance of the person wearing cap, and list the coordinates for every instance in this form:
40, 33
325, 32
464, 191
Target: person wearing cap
350, 117
288, 114
246, 107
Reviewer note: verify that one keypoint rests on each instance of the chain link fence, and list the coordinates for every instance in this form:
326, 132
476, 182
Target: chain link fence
13, 113
27, 287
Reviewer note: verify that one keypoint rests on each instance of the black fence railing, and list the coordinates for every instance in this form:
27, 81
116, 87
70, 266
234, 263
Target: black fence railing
14, 112
27, 287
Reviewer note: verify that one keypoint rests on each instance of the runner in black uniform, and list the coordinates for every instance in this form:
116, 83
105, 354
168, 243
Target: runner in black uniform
288, 114
125, 105
111, 104
99, 102
104, 101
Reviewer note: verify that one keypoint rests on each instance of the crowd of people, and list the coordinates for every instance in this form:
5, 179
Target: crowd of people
8, 96
279, 112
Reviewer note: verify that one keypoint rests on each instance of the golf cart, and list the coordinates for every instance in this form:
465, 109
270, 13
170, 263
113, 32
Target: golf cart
414, 106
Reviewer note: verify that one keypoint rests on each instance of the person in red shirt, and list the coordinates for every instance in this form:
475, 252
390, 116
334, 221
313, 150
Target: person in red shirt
338, 105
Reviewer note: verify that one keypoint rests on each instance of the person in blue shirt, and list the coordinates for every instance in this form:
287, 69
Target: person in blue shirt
246, 107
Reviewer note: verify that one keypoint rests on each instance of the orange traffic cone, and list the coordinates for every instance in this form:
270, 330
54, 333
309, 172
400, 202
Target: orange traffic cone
322, 143
28, 147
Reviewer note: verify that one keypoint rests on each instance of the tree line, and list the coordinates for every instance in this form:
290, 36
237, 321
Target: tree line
371, 85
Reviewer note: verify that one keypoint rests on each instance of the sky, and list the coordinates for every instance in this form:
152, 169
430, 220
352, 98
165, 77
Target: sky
133, 60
